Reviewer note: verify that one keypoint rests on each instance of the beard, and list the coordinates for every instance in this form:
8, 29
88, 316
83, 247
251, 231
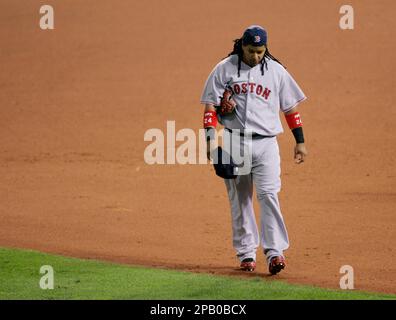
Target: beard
253, 63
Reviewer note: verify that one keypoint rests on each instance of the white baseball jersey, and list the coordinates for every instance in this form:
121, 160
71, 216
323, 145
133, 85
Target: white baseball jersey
259, 97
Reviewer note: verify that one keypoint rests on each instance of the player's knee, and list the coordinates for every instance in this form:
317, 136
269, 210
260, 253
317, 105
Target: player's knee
263, 193
265, 189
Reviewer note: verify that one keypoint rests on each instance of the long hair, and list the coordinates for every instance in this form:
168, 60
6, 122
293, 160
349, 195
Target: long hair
238, 51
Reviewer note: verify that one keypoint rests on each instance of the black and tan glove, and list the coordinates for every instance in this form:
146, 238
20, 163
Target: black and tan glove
227, 103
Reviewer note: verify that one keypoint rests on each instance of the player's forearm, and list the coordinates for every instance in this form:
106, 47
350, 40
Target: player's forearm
209, 123
294, 122
209, 117
209, 107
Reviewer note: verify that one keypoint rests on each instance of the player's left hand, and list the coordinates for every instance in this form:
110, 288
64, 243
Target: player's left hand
227, 104
300, 152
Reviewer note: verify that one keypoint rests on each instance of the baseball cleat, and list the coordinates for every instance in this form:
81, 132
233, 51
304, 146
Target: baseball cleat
276, 265
248, 264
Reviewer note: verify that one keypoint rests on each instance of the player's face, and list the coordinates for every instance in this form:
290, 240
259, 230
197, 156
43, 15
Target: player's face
253, 55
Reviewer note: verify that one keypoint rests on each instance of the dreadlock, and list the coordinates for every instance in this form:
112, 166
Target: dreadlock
238, 51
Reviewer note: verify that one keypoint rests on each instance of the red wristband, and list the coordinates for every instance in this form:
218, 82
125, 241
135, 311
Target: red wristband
293, 120
210, 119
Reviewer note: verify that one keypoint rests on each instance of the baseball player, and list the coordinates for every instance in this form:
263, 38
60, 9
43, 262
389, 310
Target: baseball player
245, 92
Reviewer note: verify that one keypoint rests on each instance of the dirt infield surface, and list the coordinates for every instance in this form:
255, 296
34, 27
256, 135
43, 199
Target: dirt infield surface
76, 101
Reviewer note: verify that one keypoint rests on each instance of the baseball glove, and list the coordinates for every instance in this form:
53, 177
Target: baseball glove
227, 104
223, 164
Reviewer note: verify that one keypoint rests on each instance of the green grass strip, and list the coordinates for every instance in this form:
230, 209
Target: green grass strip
87, 279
